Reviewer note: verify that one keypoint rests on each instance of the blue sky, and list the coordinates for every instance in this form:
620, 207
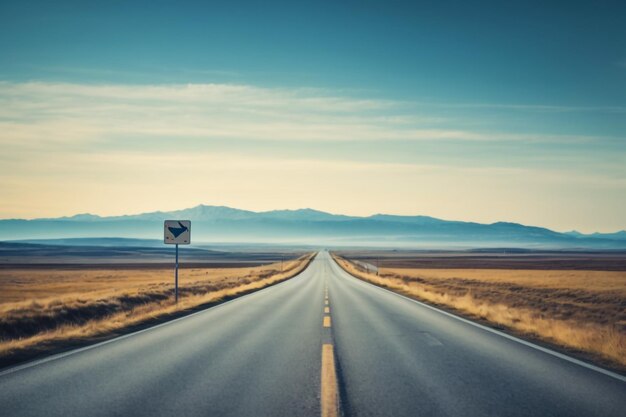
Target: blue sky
480, 111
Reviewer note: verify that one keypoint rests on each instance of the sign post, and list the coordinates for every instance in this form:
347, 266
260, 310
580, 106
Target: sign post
177, 232
176, 278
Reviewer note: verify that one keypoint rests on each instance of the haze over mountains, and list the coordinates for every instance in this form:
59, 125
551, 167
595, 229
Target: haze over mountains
307, 226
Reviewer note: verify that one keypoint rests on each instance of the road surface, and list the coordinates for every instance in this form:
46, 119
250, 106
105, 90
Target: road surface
261, 355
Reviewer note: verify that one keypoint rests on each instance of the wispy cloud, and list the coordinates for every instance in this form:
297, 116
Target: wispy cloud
541, 108
39, 113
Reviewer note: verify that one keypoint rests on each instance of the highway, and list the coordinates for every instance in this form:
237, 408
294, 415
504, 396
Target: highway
278, 352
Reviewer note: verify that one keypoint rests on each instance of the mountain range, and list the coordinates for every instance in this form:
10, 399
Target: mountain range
225, 224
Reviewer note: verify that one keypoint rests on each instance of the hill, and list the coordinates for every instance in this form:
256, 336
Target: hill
225, 224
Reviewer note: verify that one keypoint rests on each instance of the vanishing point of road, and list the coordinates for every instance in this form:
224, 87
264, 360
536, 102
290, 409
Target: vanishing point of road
322, 343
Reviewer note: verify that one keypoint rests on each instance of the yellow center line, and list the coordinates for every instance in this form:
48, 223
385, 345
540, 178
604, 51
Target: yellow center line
329, 397
326, 321
326, 309
326, 302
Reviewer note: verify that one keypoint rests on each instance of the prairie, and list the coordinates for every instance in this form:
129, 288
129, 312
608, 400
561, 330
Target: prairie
582, 311
45, 309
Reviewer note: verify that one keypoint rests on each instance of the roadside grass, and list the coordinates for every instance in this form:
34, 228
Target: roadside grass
583, 311
90, 304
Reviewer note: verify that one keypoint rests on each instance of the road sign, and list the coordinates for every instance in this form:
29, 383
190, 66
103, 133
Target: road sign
177, 232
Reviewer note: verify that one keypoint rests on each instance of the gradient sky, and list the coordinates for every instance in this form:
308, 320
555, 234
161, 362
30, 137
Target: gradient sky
480, 111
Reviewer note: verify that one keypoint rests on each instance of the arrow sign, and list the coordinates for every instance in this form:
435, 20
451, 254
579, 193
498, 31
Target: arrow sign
177, 232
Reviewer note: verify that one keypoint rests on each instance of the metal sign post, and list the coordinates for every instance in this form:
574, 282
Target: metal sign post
177, 232
176, 277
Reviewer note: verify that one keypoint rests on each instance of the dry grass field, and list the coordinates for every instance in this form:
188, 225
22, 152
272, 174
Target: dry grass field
42, 309
580, 310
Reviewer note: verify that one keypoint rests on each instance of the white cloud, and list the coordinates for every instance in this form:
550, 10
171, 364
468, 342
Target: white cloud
540, 108
36, 113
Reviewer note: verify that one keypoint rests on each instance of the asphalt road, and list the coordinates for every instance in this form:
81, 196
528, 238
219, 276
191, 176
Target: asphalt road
260, 355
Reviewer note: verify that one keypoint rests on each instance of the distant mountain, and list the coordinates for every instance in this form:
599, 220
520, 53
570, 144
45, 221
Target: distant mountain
405, 219
303, 215
308, 226
197, 213
621, 235
214, 213
79, 217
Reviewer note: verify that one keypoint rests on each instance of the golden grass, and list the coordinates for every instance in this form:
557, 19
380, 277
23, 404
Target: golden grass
44, 307
580, 310
564, 279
